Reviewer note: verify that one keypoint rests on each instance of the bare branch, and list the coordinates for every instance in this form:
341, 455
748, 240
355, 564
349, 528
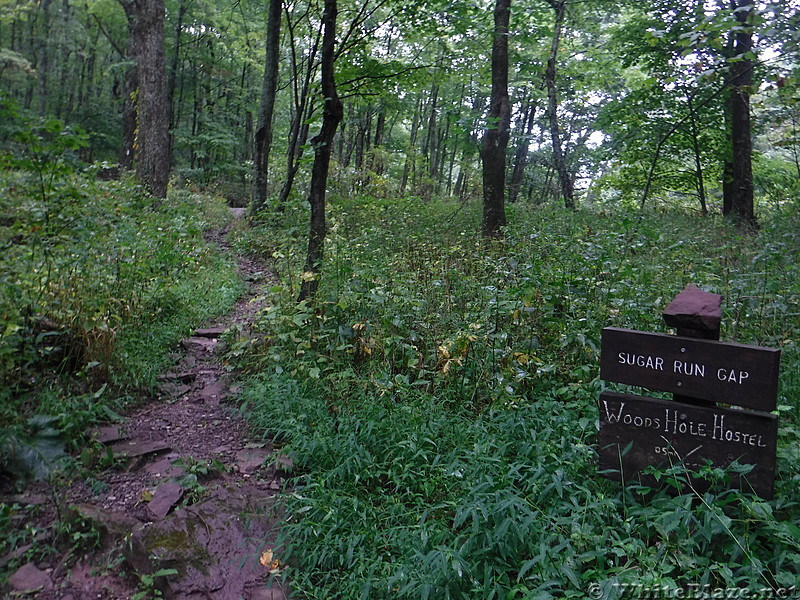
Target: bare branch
389, 76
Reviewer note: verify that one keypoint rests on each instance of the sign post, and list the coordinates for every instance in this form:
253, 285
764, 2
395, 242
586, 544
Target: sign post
692, 429
696, 314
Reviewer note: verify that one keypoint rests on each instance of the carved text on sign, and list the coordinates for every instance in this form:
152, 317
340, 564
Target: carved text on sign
705, 369
676, 422
662, 433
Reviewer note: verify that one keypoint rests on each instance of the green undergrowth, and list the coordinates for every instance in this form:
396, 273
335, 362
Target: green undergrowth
439, 400
98, 282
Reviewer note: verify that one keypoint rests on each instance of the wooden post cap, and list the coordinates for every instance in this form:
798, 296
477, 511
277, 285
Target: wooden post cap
695, 309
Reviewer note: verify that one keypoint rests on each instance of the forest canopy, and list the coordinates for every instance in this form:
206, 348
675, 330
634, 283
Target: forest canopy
639, 96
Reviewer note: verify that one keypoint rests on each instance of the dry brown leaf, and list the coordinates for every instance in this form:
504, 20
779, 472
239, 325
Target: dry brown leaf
273, 564
266, 558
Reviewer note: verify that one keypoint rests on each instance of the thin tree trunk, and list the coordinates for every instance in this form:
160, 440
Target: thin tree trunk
368, 131
87, 90
43, 64
495, 139
727, 150
451, 167
567, 191
347, 138
126, 152
247, 147
429, 143
173, 72
412, 144
548, 178
794, 145
31, 36
698, 163
380, 128
343, 133
298, 131
297, 142
459, 187
63, 53
323, 142
521, 156
195, 113
441, 159
470, 147
263, 135
360, 136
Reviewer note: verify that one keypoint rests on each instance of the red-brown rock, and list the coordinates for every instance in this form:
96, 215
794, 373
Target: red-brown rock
164, 500
28, 579
696, 309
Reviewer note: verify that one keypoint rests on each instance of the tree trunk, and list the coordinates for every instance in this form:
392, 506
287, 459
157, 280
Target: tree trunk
451, 167
559, 161
521, 156
412, 144
495, 139
173, 72
43, 63
698, 163
146, 30
428, 147
727, 160
33, 83
298, 131
129, 86
471, 147
297, 140
323, 143
380, 127
360, 132
441, 159
347, 138
263, 138
741, 205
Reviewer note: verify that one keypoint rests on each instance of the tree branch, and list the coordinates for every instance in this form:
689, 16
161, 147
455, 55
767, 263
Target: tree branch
108, 37
389, 76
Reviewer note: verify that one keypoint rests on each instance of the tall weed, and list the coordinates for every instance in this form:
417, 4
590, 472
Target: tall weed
439, 398
96, 282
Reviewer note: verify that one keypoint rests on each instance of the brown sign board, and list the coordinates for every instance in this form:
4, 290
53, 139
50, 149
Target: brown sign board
665, 433
709, 370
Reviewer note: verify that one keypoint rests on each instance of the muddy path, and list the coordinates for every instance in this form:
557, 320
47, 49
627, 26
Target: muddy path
186, 510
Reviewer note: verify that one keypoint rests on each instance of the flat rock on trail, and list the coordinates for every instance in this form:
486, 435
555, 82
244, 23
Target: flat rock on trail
192, 492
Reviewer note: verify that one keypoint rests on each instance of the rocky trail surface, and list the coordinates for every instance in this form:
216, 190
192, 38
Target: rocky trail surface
187, 510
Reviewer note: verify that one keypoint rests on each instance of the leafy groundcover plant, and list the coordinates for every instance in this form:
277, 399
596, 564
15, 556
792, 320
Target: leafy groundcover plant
439, 401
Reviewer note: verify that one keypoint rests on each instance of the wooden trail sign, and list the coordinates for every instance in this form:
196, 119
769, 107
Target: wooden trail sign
727, 373
691, 430
665, 433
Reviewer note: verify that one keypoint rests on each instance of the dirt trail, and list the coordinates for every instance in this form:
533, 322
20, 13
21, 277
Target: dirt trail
191, 491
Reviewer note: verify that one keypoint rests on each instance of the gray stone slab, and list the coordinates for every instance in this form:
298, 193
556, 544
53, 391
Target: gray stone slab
164, 500
136, 448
